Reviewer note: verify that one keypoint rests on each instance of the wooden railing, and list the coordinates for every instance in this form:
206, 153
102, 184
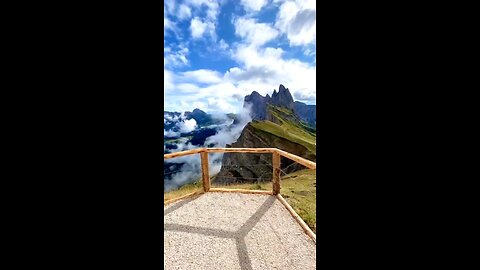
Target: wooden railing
276, 154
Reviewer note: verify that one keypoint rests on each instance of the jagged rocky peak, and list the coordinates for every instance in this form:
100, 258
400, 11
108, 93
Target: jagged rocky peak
283, 98
200, 116
307, 113
258, 103
199, 112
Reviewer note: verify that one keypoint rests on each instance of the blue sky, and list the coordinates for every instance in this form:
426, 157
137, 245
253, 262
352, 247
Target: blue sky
216, 52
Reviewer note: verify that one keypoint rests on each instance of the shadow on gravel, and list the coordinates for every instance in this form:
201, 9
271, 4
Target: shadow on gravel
239, 236
180, 204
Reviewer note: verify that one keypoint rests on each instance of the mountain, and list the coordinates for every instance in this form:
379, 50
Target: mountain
202, 120
258, 104
201, 117
276, 123
307, 113
282, 98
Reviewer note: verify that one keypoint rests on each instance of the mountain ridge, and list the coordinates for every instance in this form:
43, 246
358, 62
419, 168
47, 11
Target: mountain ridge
275, 124
283, 98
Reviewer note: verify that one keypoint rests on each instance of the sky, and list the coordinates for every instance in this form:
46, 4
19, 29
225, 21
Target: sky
218, 51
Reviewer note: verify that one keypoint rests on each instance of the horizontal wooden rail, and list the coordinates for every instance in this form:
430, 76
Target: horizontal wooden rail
165, 203
305, 162
276, 153
183, 153
241, 150
238, 190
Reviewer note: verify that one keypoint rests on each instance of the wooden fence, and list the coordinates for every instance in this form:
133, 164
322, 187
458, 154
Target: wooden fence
276, 154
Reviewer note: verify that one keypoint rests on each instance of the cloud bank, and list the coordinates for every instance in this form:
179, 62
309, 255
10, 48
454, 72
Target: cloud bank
190, 169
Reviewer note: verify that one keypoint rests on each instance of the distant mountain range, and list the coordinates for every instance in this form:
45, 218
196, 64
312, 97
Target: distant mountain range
282, 98
201, 118
277, 121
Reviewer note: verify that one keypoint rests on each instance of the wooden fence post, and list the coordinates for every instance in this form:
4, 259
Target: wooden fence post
276, 173
205, 174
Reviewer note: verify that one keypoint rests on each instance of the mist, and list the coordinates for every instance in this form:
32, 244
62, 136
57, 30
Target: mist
191, 168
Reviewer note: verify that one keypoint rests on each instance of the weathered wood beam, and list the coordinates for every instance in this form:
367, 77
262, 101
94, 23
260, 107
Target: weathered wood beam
205, 172
245, 191
165, 203
183, 153
300, 221
276, 173
240, 150
307, 163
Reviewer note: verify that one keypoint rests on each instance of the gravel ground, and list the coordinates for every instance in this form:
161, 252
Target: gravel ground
234, 231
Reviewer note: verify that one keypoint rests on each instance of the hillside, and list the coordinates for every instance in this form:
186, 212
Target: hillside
283, 98
280, 128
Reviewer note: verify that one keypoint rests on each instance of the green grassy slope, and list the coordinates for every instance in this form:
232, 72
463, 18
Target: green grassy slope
289, 128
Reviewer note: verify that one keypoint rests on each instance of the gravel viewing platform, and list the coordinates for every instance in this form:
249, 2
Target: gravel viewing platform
234, 231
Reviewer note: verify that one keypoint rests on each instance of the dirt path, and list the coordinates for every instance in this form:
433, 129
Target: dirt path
234, 231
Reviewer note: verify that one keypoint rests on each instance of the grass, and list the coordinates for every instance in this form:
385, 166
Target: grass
289, 132
290, 129
298, 188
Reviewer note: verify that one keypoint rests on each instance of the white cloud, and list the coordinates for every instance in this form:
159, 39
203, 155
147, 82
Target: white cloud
170, 133
253, 5
190, 102
167, 80
212, 7
258, 67
169, 6
207, 25
191, 165
197, 27
254, 33
169, 26
309, 52
230, 134
221, 104
184, 12
186, 88
203, 76
223, 45
187, 125
175, 58
264, 69
297, 20
304, 96
261, 70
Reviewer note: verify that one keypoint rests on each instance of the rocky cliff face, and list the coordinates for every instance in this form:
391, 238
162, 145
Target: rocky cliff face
200, 116
258, 103
307, 113
283, 98
276, 123
248, 167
